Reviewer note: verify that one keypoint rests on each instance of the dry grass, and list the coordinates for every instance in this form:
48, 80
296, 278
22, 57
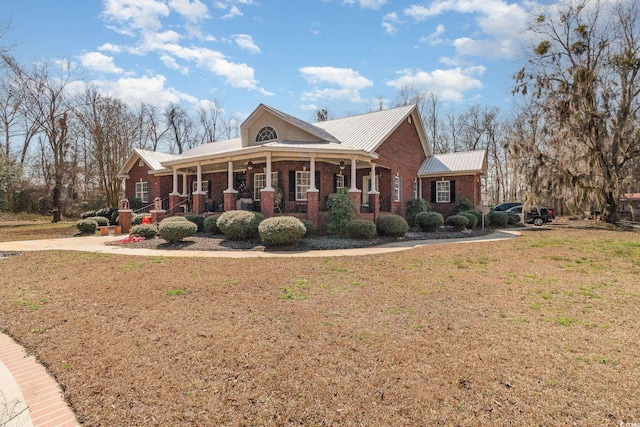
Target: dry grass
539, 330
13, 230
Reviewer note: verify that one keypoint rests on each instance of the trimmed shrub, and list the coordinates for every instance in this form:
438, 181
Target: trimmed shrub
473, 219
105, 212
115, 215
414, 207
392, 225
100, 220
310, 227
174, 230
498, 219
458, 222
87, 214
281, 230
462, 205
361, 229
341, 212
135, 203
86, 226
148, 231
239, 225
136, 219
429, 221
197, 220
513, 219
478, 216
210, 224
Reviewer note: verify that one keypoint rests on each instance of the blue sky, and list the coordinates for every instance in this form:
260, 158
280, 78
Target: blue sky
295, 55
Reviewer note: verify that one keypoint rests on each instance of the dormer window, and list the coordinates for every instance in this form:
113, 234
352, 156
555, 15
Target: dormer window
267, 133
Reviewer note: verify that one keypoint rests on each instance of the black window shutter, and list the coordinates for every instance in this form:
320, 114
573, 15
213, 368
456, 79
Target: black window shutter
318, 180
401, 187
433, 191
292, 186
452, 188
335, 182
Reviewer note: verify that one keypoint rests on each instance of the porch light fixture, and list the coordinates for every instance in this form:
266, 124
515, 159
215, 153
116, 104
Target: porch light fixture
249, 165
341, 165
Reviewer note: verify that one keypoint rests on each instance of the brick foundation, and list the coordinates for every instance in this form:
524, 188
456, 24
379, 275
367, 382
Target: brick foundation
230, 200
313, 207
198, 202
374, 204
266, 202
174, 201
356, 197
125, 219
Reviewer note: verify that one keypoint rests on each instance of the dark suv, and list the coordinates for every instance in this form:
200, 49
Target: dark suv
504, 206
539, 216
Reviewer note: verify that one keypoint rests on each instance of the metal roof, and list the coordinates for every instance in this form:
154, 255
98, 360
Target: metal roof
311, 128
154, 158
455, 163
366, 131
214, 148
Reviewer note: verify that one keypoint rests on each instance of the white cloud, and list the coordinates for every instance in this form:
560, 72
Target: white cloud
500, 24
192, 11
245, 41
232, 7
389, 23
108, 47
449, 85
346, 83
366, 4
97, 61
434, 38
148, 89
139, 14
173, 64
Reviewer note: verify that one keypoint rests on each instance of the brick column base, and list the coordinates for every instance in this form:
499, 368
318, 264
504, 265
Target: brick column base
266, 202
125, 219
174, 201
198, 203
356, 197
157, 215
313, 207
374, 204
230, 200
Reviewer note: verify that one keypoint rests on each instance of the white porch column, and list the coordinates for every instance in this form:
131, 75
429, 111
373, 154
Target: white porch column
175, 183
312, 171
230, 176
185, 188
354, 175
268, 186
199, 180
373, 179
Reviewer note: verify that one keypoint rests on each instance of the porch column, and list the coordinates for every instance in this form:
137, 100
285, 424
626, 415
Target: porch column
354, 194
313, 195
230, 194
267, 193
374, 195
198, 195
174, 196
312, 170
185, 189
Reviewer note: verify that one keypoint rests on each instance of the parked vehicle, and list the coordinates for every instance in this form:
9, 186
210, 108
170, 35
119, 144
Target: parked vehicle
536, 216
516, 210
504, 206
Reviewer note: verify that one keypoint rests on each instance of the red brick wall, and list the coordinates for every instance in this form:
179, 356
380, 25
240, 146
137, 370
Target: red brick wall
467, 187
159, 186
402, 154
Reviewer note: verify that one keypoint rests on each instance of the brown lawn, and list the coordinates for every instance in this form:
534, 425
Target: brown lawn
538, 330
33, 230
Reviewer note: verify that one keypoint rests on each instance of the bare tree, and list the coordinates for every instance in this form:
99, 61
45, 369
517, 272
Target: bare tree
210, 119
584, 77
46, 104
181, 128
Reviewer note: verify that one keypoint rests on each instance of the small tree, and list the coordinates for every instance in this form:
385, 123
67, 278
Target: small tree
341, 212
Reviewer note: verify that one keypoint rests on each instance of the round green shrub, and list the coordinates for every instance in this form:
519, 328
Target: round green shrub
429, 221
458, 222
498, 219
148, 231
86, 226
361, 229
310, 227
197, 220
462, 205
281, 230
340, 211
239, 225
174, 230
210, 224
100, 220
392, 225
513, 219
87, 214
473, 220
414, 207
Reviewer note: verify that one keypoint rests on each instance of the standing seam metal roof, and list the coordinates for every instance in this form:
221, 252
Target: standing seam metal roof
464, 161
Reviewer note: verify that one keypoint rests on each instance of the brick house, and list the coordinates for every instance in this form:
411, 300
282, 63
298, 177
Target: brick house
284, 165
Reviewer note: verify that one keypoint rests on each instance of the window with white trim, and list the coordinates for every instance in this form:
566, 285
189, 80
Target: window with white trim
267, 133
303, 182
205, 186
443, 191
397, 189
339, 184
260, 181
142, 191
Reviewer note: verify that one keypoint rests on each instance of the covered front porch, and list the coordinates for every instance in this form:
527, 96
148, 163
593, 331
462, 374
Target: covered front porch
276, 182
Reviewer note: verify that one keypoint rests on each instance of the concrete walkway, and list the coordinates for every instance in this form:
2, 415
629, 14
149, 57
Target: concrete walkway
98, 244
29, 396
